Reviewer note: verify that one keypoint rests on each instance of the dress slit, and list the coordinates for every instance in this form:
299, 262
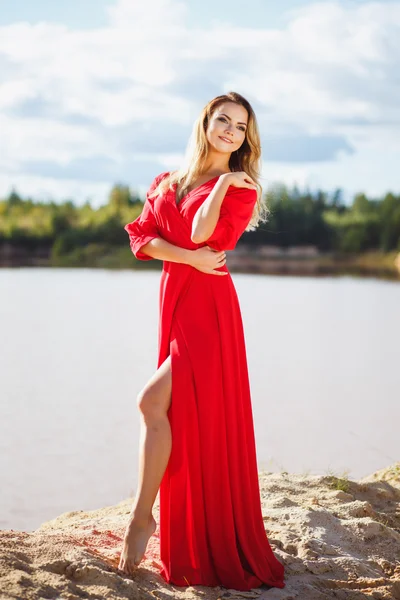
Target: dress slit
183, 528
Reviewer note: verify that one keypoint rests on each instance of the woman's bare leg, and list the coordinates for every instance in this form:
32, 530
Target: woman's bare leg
155, 447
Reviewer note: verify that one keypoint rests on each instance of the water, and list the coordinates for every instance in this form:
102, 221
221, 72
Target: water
79, 344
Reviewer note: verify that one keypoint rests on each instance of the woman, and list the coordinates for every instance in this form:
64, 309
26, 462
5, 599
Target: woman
197, 441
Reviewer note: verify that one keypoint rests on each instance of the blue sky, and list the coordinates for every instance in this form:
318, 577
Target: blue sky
95, 92
91, 14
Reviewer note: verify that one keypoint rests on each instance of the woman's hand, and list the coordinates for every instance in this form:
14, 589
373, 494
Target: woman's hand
207, 259
240, 179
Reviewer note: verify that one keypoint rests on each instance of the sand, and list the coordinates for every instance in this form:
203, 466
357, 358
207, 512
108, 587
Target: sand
337, 539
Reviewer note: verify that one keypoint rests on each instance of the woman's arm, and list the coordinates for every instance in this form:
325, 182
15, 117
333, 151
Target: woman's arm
203, 259
163, 250
206, 218
216, 219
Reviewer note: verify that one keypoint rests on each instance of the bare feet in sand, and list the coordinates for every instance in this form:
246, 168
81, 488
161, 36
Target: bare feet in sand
136, 537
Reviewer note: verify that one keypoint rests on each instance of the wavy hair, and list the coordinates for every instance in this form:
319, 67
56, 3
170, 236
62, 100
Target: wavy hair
247, 158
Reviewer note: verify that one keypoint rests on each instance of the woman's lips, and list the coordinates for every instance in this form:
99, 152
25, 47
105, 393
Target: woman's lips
225, 140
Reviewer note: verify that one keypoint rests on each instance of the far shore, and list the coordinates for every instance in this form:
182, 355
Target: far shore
267, 260
307, 260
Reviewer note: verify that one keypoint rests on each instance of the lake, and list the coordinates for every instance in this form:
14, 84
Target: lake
79, 344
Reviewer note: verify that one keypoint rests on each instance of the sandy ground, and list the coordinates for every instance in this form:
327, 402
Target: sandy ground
337, 539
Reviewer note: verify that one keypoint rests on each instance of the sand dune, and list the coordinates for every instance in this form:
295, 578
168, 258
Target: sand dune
337, 539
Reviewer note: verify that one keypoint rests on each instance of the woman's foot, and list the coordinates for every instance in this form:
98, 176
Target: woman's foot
136, 537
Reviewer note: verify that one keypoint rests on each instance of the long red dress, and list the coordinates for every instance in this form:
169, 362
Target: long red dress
211, 525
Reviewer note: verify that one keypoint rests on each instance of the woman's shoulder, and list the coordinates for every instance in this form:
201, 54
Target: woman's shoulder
242, 194
156, 181
159, 178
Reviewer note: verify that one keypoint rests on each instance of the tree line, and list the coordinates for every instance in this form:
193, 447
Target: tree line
296, 218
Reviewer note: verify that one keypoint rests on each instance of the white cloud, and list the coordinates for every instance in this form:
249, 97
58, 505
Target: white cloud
112, 92
150, 16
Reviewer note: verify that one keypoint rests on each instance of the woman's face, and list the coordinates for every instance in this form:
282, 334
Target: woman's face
226, 129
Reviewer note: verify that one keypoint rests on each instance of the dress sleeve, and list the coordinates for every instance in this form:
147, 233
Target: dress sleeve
235, 214
144, 229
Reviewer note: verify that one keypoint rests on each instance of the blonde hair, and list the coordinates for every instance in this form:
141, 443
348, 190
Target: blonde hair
247, 158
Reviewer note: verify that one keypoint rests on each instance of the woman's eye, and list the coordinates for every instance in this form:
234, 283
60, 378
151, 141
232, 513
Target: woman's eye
225, 121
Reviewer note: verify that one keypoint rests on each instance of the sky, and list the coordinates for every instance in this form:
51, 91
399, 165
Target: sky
98, 92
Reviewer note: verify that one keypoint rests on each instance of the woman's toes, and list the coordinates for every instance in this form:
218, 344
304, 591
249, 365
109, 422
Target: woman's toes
134, 567
134, 545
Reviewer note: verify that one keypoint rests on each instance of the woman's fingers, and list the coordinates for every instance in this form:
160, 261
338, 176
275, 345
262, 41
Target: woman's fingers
248, 179
220, 258
217, 252
251, 184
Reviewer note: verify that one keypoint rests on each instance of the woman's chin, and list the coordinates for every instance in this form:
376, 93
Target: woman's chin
221, 147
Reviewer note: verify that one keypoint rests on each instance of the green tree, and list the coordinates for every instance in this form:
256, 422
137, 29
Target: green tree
14, 199
121, 197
